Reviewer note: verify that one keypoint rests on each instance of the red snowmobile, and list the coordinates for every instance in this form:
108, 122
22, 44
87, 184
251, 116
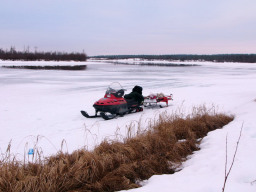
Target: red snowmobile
114, 104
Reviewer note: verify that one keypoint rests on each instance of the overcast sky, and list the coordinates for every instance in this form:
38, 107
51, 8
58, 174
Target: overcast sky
101, 27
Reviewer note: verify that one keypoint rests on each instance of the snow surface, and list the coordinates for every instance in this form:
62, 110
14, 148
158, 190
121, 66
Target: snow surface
41, 109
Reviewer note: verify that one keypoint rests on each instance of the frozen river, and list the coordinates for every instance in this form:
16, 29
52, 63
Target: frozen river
41, 107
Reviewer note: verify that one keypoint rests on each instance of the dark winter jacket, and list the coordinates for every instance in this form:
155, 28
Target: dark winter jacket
136, 94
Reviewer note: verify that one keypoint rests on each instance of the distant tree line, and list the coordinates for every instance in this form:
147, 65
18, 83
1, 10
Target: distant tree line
25, 55
243, 58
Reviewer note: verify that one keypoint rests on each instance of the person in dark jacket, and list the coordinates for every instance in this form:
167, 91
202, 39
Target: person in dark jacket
135, 95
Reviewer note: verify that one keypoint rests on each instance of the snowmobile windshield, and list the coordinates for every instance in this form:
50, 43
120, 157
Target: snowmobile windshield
115, 88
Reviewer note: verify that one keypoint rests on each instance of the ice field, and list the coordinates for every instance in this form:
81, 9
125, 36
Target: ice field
40, 109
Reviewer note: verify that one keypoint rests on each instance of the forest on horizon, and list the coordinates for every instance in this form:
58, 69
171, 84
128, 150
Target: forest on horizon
243, 58
26, 55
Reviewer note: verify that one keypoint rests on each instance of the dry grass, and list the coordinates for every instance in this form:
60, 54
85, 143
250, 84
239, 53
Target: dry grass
113, 165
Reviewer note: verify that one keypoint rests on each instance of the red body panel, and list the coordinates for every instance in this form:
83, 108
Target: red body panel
110, 99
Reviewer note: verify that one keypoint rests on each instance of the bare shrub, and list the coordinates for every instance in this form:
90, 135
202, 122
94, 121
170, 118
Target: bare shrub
227, 171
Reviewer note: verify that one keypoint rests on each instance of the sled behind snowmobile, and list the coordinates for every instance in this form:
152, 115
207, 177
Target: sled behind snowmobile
154, 100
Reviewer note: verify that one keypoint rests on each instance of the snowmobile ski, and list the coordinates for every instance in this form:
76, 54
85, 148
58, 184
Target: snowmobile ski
107, 117
85, 114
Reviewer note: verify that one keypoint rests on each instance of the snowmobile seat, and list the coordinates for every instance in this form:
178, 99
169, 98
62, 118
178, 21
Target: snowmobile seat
131, 103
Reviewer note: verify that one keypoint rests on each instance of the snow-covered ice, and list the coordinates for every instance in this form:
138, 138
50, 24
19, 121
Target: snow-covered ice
42, 108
